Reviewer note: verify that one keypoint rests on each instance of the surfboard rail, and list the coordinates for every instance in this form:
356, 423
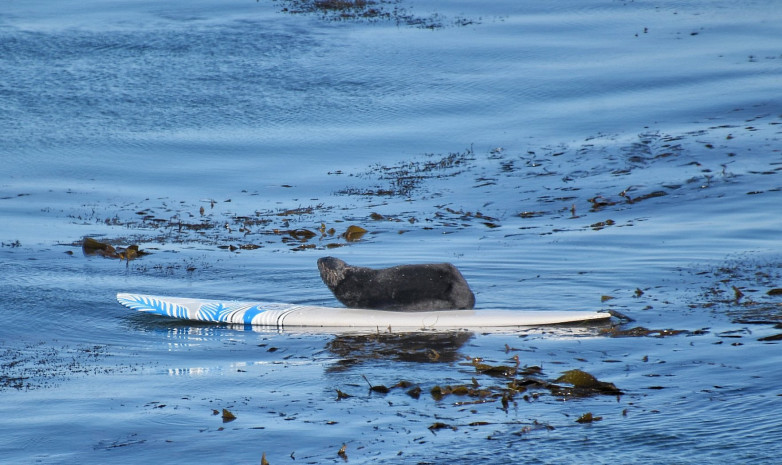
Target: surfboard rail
281, 315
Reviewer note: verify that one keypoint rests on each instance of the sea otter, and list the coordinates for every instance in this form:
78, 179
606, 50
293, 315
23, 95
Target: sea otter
433, 286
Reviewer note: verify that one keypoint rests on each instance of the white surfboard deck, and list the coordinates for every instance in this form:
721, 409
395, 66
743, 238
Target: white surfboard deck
281, 315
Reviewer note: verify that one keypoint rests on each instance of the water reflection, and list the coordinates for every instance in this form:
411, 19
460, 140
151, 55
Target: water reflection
192, 371
174, 329
432, 347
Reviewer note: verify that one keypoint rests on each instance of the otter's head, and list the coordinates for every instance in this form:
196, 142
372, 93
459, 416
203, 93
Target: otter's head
332, 271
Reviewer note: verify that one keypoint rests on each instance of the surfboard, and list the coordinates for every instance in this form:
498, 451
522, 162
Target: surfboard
282, 315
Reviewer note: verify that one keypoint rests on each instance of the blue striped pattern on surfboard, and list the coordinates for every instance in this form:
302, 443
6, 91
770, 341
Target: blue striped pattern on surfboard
227, 312
149, 304
248, 313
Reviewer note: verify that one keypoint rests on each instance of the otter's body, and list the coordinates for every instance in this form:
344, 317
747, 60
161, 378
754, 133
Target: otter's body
436, 286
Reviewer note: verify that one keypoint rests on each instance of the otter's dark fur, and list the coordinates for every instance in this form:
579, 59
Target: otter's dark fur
434, 286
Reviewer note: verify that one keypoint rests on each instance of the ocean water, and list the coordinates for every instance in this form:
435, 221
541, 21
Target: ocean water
600, 155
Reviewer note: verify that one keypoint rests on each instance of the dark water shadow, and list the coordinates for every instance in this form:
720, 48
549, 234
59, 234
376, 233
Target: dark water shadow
430, 347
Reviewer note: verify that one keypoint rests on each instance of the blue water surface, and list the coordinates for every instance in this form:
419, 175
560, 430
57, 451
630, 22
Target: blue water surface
564, 155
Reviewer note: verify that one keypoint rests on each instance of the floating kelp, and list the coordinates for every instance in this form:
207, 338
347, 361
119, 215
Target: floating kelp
588, 418
746, 289
436, 426
380, 388
638, 292
599, 202
369, 10
535, 426
531, 370
354, 233
526, 380
584, 384
439, 392
525, 384
579, 379
531, 214
494, 370
227, 416
640, 331
601, 224
301, 234
92, 247
300, 211
650, 195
